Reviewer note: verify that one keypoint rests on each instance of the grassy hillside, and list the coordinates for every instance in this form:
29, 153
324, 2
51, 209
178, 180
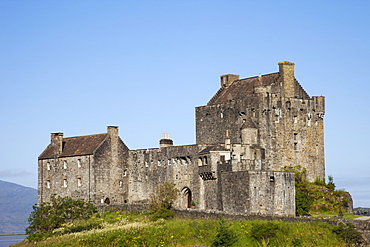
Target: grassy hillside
123, 229
15, 207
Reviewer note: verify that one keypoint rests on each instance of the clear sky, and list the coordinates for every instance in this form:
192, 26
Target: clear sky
78, 66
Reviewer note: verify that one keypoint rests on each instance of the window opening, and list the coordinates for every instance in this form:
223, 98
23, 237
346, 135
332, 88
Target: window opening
107, 201
200, 162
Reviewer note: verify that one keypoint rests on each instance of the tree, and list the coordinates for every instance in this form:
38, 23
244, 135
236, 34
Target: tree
51, 215
160, 204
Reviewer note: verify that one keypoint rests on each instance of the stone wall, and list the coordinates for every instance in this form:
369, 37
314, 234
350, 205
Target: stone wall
67, 176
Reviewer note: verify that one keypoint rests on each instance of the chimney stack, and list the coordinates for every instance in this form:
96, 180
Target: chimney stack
286, 71
112, 131
165, 141
57, 143
227, 80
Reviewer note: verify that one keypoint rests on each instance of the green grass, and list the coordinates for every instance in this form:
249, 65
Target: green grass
335, 215
124, 229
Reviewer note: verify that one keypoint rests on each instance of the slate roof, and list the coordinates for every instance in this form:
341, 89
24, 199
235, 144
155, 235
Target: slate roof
240, 89
213, 148
75, 146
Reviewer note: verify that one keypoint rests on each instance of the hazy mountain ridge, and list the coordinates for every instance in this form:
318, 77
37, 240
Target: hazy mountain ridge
15, 207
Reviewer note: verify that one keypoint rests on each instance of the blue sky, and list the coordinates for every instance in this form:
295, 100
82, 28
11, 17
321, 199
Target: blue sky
77, 66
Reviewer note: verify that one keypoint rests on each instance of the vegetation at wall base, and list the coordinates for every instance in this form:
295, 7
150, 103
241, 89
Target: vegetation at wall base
49, 216
120, 228
160, 203
318, 197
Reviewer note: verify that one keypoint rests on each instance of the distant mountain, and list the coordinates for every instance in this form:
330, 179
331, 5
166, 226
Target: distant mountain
15, 207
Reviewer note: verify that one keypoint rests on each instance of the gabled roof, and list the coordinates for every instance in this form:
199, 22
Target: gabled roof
75, 146
240, 89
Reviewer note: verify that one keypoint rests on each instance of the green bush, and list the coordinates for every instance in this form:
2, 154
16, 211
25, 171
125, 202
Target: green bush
348, 233
51, 215
264, 230
224, 235
160, 204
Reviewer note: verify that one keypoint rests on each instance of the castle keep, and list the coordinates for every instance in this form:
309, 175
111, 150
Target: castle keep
245, 135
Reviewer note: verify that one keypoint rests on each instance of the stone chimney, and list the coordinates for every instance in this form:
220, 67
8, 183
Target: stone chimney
286, 71
113, 136
57, 143
165, 141
112, 131
227, 80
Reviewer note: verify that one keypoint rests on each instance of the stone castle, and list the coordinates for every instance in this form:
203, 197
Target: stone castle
245, 135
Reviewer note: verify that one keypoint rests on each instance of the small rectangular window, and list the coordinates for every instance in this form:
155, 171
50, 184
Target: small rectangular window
295, 136
48, 184
295, 146
48, 166
65, 165
65, 184
78, 163
79, 182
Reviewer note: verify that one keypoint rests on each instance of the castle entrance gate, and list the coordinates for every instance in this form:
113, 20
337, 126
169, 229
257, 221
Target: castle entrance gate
186, 197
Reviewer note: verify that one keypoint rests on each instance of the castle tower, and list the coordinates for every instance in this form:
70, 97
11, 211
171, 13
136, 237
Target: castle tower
249, 132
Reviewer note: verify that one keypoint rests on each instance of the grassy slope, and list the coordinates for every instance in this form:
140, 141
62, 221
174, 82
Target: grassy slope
121, 229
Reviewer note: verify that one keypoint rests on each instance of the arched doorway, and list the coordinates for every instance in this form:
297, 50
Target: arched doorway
186, 192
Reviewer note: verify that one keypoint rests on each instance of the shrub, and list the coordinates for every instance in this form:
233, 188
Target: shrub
224, 236
160, 204
348, 233
263, 230
303, 200
51, 215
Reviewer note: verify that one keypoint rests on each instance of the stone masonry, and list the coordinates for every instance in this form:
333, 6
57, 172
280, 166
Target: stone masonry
245, 135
